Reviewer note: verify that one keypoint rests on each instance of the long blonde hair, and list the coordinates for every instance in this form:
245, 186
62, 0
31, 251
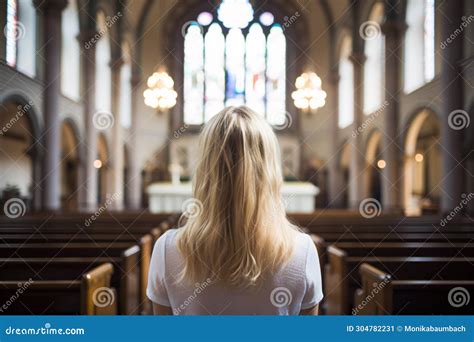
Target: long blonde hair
241, 231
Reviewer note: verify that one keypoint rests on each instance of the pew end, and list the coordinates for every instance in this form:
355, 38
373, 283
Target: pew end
335, 283
374, 298
97, 283
146, 248
130, 282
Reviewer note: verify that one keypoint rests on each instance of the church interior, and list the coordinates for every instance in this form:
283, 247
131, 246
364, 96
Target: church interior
102, 103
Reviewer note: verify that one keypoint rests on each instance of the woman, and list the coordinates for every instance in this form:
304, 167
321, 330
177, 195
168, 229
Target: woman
237, 254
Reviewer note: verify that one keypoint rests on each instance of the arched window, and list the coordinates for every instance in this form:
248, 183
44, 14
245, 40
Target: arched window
374, 67
21, 36
70, 52
232, 60
126, 88
419, 40
346, 85
102, 61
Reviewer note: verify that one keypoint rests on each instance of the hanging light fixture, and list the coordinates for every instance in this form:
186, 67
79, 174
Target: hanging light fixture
308, 94
160, 93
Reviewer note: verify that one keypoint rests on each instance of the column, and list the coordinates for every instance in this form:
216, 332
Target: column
357, 160
334, 173
393, 29
134, 182
452, 99
90, 174
3, 23
116, 172
50, 12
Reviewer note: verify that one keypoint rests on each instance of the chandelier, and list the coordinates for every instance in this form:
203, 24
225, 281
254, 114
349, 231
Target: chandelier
309, 94
160, 93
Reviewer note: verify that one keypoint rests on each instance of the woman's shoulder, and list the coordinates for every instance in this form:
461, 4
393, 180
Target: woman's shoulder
303, 240
164, 240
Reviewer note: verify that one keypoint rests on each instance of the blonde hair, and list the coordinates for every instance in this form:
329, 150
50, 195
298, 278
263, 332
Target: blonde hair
241, 231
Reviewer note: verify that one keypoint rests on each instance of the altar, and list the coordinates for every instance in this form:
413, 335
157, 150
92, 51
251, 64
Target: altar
298, 197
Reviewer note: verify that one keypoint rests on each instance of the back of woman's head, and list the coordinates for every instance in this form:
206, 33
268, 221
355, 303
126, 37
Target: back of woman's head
242, 232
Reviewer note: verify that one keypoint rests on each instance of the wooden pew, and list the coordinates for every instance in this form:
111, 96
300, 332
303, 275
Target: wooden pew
66, 296
383, 294
145, 242
127, 276
324, 240
341, 276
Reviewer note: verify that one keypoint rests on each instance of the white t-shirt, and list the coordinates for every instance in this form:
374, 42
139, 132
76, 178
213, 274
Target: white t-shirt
294, 287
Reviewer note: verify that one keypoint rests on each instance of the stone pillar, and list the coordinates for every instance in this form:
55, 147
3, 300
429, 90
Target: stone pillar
134, 181
452, 100
357, 160
116, 172
50, 12
334, 172
89, 201
393, 28
3, 23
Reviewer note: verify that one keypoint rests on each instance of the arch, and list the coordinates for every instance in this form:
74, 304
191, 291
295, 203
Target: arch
298, 40
32, 113
416, 173
70, 157
20, 134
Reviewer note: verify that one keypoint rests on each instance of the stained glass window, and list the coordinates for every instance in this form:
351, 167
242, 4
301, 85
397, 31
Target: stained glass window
234, 58
429, 40
11, 32
214, 71
255, 69
193, 75
374, 67
419, 36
